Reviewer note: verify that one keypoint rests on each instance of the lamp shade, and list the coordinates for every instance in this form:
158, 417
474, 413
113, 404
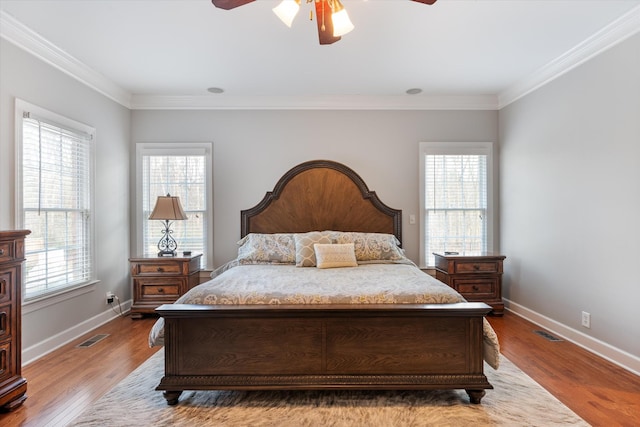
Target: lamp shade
287, 10
341, 22
168, 208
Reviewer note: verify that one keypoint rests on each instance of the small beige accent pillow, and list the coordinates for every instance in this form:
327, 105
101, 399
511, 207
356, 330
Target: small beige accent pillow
335, 255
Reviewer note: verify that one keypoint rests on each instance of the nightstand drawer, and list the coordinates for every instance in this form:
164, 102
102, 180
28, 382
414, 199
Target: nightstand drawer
153, 268
480, 288
158, 288
462, 267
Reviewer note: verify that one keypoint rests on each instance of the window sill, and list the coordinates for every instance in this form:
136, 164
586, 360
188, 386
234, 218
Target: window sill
57, 297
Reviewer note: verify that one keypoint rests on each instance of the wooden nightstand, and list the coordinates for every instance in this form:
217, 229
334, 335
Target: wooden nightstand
161, 280
476, 277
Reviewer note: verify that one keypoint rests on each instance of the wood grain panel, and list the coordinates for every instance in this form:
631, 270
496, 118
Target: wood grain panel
250, 346
321, 195
399, 346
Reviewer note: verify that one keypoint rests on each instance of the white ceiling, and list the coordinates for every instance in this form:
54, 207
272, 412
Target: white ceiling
461, 53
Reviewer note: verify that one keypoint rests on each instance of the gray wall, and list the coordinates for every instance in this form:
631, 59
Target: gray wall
570, 198
253, 149
25, 77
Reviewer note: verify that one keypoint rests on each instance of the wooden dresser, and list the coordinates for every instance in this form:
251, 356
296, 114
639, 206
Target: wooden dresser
476, 277
161, 280
13, 386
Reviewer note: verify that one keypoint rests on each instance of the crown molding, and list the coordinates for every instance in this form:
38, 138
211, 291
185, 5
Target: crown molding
20, 35
614, 33
17, 33
402, 102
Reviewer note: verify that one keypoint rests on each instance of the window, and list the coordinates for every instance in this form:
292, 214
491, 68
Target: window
55, 200
456, 198
183, 170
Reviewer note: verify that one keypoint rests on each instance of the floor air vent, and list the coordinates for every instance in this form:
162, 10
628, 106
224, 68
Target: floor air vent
547, 335
91, 341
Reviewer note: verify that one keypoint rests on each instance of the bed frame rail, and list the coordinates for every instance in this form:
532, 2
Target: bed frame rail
307, 347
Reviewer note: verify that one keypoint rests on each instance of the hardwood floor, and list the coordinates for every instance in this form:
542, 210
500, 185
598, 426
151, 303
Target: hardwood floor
62, 384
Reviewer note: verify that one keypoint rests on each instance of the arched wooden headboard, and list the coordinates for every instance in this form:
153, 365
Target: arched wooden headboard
321, 195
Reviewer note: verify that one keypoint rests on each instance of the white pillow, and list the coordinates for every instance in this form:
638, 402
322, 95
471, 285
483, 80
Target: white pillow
335, 255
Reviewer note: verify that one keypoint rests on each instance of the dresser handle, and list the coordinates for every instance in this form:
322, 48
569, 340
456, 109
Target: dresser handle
474, 287
1, 252
160, 269
476, 267
161, 290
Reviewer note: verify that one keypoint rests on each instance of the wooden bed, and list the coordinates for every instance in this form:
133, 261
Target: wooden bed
303, 347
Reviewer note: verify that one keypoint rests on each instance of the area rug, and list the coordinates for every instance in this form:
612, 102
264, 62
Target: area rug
516, 400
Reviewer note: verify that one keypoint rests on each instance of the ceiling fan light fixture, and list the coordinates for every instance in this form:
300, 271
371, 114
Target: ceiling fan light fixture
341, 22
287, 11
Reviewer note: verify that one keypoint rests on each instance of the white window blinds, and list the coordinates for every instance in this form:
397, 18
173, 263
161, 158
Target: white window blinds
181, 172
456, 200
56, 200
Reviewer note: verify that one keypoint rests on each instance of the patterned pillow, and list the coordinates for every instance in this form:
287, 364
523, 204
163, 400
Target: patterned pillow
267, 248
335, 255
372, 246
305, 255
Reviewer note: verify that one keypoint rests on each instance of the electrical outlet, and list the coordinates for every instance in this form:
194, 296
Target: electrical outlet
586, 319
110, 297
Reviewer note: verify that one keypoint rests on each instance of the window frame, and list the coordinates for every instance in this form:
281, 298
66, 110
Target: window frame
176, 149
42, 299
457, 148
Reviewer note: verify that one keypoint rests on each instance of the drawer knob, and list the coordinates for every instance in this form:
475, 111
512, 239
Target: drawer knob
161, 290
160, 269
476, 267
474, 287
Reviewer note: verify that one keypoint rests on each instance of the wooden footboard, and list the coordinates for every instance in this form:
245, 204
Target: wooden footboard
303, 347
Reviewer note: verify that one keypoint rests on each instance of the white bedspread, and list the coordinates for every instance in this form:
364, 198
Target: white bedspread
288, 284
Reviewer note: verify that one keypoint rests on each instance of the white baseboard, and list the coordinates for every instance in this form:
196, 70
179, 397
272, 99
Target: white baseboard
614, 355
45, 347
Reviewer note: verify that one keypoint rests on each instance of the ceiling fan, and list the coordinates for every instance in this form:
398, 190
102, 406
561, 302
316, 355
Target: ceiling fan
331, 17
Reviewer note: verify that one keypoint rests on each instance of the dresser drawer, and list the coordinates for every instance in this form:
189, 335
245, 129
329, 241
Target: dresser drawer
7, 283
6, 360
462, 267
5, 322
7, 251
476, 287
153, 268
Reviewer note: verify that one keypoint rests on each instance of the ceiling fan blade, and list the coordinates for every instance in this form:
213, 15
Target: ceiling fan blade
230, 4
426, 1
325, 24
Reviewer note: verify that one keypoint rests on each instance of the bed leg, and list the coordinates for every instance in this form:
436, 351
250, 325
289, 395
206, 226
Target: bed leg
172, 396
475, 396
